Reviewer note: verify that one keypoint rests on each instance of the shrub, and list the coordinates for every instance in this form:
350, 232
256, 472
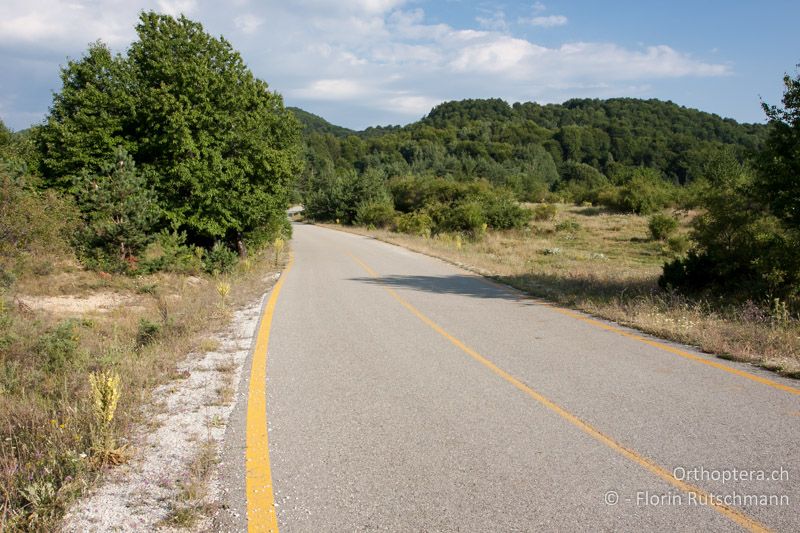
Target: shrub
415, 224
220, 259
739, 248
378, 213
662, 226
170, 253
454, 206
639, 190
545, 212
502, 211
60, 347
467, 217
569, 226
34, 226
645, 193
678, 245
147, 333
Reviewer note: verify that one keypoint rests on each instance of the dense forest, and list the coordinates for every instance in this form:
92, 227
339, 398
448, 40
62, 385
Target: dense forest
573, 151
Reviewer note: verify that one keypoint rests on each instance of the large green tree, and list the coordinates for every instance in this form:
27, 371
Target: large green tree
90, 118
217, 146
747, 241
779, 165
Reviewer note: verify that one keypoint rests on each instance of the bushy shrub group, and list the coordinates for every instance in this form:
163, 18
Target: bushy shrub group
544, 212
662, 226
740, 248
337, 196
35, 226
376, 213
415, 223
502, 211
642, 191
421, 206
470, 207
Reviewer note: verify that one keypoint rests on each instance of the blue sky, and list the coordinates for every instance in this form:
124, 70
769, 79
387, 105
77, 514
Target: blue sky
367, 62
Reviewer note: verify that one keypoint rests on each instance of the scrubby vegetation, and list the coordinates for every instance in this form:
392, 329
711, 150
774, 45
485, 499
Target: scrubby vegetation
747, 240
416, 205
122, 217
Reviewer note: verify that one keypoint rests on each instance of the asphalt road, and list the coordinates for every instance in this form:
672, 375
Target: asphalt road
405, 394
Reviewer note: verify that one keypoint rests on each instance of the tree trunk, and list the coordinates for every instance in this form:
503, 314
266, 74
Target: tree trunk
240, 246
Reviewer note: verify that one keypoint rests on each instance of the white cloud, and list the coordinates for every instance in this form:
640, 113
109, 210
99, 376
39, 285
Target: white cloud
56, 25
413, 105
495, 20
248, 23
362, 61
177, 7
332, 89
548, 21
496, 55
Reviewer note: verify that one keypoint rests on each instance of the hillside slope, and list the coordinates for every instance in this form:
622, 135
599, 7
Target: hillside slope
532, 148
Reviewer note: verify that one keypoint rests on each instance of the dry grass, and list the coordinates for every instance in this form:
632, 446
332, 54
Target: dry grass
606, 264
46, 356
208, 345
191, 502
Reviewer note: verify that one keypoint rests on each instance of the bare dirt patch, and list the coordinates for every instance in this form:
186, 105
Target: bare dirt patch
99, 302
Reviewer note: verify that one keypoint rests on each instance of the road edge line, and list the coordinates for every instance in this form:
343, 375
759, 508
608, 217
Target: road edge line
261, 514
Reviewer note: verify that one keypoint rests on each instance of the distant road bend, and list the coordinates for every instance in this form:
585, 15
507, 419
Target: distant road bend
405, 394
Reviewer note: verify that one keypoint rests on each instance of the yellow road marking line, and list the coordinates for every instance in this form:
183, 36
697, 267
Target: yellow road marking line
645, 340
730, 512
260, 498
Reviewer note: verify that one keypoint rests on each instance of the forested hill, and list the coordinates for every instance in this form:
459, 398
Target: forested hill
532, 148
315, 124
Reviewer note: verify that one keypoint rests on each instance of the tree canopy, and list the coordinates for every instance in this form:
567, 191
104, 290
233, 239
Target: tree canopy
747, 240
216, 145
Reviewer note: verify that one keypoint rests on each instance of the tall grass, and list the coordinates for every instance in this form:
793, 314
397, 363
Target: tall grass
71, 387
